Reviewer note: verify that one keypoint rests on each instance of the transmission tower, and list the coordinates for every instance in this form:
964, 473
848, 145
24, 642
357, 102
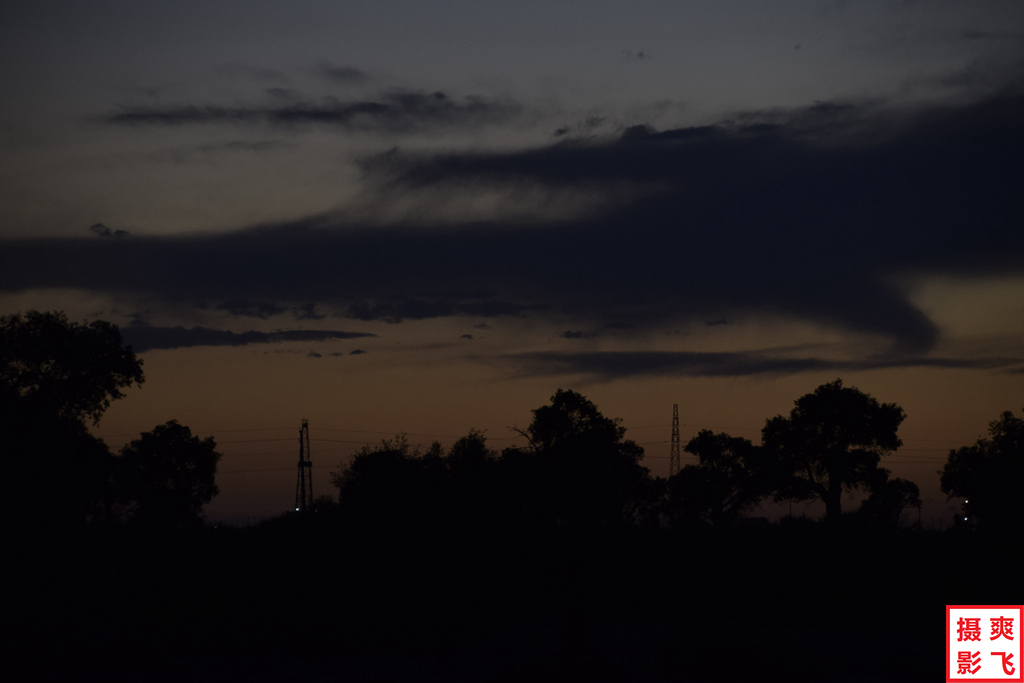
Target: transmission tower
673, 460
304, 483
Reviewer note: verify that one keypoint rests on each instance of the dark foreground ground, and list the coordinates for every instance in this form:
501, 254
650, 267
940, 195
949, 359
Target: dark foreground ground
319, 602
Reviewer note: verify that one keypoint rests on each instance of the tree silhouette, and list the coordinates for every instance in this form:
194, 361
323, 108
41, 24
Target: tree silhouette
728, 480
62, 459
166, 476
888, 500
578, 469
64, 369
570, 419
55, 374
475, 491
392, 485
470, 454
832, 441
988, 475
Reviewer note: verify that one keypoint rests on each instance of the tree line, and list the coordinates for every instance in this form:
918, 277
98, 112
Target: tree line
56, 376
578, 469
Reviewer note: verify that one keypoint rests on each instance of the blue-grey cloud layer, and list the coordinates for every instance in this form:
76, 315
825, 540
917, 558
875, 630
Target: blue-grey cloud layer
145, 338
617, 364
804, 214
390, 111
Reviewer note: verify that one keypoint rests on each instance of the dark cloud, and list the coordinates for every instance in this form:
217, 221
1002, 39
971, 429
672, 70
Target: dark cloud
985, 74
243, 146
467, 336
251, 309
341, 74
570, 334
356, 352
713, 323
307, 312
584, 126
395, 310
104, 231
313, 354
144, 338
639, 56
814, 216
610, 365
806, 212
392, 111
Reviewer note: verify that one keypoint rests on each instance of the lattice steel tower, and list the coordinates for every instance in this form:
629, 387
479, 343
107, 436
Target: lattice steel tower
673, 458
304, 483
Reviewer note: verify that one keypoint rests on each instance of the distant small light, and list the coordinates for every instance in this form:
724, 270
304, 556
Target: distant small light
965, 519
297, 509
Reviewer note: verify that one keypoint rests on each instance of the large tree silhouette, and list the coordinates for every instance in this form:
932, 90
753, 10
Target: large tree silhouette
392, 485
728, 481
989, 474
832, 441
55, 375
63, 369
578, 469
571, 419
166, 476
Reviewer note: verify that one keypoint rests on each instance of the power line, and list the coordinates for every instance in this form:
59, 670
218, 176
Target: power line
280, 453
254, 440
662, 425
401, 433
250, 429
264, 469
233, 504
365, 443
206, 431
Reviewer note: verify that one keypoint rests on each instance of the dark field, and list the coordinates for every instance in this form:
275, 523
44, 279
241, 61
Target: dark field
311, 599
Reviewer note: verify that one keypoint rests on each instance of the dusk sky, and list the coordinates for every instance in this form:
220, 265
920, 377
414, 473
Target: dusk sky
428, 216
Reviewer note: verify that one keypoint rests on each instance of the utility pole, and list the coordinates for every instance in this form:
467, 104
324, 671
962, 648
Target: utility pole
304, 489
673, 460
